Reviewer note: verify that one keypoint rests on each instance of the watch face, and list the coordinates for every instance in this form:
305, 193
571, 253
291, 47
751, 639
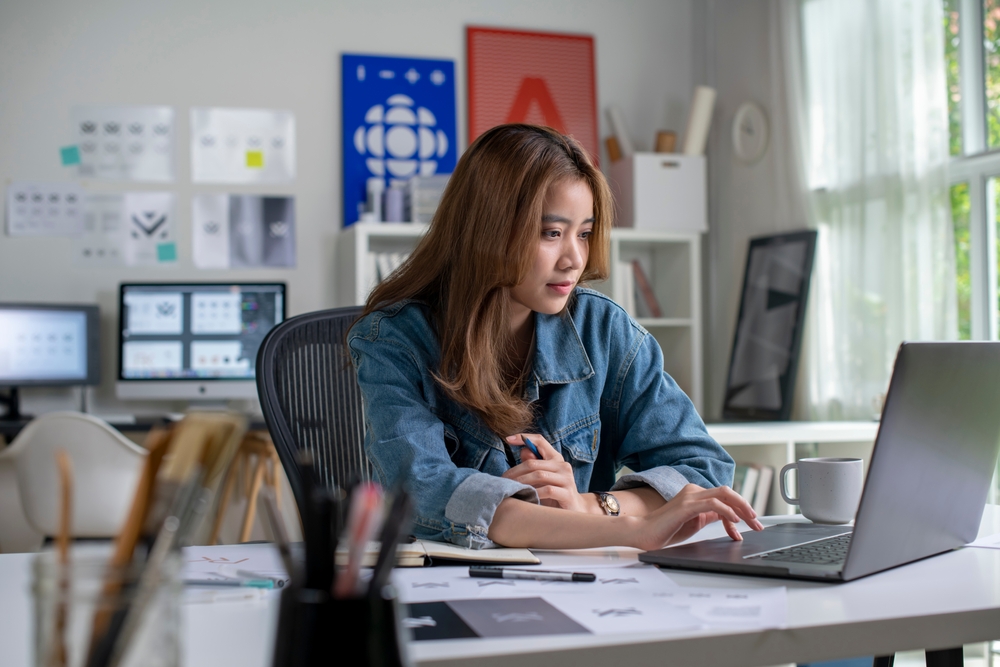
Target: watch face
612, 503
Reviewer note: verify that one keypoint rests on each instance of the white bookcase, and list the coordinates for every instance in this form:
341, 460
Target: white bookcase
671, 261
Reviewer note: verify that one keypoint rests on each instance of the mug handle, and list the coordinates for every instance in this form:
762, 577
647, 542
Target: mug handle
781, 483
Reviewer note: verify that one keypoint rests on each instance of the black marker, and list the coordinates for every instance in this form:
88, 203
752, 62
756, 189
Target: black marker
495, 572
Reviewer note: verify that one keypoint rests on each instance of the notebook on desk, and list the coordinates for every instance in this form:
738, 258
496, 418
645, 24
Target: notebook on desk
930, 472
420, 553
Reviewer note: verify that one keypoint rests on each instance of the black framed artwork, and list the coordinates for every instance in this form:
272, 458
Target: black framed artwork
768, 338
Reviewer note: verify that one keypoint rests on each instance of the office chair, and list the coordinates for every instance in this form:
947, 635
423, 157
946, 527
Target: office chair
311, 400
106, 469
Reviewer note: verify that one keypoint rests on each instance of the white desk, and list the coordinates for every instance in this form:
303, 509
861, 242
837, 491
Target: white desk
941, 602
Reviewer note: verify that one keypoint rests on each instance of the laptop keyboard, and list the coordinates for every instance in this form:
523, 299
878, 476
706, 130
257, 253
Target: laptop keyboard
830, 551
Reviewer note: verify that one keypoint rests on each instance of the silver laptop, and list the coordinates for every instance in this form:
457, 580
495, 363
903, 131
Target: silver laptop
930, 472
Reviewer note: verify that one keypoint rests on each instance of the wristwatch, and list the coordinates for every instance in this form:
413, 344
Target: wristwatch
609, 503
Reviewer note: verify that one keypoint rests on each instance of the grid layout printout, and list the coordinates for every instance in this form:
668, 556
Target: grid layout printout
44, 209
37, 344
125, 143
131, 229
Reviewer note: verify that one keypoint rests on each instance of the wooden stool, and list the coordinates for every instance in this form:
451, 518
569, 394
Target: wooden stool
255, 452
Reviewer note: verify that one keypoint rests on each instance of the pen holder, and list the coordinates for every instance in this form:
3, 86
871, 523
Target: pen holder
313, 627
68, 598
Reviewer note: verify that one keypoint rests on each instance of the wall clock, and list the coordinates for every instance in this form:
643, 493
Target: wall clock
750, 133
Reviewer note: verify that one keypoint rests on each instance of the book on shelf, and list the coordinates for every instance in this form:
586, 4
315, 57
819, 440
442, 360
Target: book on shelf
644, 292
420, 553
753, 483
387, 262
626, 288
763, 493
745, 481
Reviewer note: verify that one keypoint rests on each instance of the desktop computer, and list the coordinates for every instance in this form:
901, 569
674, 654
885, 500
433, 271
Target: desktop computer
46, 345
195, 341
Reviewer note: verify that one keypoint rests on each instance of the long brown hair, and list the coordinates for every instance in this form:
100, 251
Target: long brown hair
482, 241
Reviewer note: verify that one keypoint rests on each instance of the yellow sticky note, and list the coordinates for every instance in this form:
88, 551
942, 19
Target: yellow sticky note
255, 159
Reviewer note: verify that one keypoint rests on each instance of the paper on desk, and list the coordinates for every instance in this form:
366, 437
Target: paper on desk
213, 562
454, 583
720, 607
987, 542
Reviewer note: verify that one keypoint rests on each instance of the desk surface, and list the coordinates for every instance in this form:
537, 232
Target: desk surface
940, 602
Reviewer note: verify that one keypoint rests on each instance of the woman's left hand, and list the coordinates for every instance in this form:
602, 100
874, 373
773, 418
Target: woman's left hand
551, 476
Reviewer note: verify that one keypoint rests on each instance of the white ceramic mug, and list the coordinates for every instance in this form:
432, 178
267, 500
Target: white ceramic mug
829, 488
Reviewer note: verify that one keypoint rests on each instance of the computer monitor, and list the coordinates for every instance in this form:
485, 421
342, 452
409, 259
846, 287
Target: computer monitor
193, 340
46, 345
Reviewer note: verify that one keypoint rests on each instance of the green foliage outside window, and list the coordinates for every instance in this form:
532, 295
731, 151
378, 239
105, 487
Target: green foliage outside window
951, 45
963, 283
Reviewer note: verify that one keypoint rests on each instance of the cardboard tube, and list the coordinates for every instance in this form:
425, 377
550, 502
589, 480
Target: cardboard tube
666, 141
699, 121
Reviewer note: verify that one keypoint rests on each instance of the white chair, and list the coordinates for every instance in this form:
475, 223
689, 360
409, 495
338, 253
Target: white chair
16, 534
106, 469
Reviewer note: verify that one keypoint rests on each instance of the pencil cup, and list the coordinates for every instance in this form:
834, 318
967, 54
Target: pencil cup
314, 628
71, 599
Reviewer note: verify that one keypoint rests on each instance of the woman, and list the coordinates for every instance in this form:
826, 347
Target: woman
483, 341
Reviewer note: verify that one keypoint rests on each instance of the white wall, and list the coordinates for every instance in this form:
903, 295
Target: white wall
744, 200
248, 53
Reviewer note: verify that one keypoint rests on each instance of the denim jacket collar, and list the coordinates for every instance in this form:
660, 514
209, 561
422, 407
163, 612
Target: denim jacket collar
560, 357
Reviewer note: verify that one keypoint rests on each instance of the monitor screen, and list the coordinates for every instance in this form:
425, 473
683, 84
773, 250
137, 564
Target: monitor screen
48, 345
194, 339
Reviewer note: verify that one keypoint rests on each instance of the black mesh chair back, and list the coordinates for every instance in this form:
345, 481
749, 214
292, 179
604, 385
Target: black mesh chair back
311, 400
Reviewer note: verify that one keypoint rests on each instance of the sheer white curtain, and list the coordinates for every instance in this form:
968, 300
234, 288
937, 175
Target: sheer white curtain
864, 87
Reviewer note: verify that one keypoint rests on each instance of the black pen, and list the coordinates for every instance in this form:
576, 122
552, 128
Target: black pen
496, 572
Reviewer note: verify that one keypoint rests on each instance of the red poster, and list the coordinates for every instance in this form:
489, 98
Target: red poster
542, 78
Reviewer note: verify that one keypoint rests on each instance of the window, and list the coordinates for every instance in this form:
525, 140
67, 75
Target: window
972, 58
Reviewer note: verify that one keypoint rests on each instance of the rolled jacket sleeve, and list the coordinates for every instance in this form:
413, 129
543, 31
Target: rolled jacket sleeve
661, 435
405, 440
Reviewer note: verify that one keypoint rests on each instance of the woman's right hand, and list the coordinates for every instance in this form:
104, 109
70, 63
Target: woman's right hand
691, 510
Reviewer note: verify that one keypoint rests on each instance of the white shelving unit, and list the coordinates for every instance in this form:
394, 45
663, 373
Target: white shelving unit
357, 247
671, 260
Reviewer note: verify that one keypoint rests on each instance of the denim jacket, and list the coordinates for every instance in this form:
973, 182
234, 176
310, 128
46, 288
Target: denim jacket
601, 396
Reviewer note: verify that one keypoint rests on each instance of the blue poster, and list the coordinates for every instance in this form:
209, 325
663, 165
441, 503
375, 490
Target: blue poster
399, 122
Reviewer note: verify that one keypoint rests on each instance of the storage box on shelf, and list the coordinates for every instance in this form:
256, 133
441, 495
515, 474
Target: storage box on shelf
661, 192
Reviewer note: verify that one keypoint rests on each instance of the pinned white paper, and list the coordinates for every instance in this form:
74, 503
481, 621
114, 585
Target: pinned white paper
134, 229
149, 218
103, 240
210, 231
243, 231
44, 209
125, 143
242, 145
